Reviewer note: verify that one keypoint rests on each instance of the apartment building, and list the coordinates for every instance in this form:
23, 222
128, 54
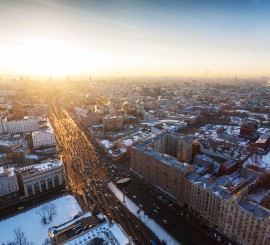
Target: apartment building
43, 138
173, 144
222, 204
41, 177
113, 123
160, 170
15, 126
244, 222
202, 197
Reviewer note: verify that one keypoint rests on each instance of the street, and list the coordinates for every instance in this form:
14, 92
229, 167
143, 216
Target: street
87, 178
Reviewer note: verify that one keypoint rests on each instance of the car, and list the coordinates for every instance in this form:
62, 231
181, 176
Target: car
135, 197
155, 211
21, 208
116, 208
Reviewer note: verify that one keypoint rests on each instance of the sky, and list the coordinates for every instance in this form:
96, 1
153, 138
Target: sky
135, 37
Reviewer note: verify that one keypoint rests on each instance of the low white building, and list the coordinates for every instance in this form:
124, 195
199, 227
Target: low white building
43, 138
16, 126
41, 177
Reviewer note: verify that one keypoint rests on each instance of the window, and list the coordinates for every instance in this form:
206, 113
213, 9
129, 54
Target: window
50, 183
29, 190
36, 188
56, 180
43, 185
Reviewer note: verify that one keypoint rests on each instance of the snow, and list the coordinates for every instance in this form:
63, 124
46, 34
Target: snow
263, 162
31, 156
106, 143
150, 223
109, 233
258, 196
44, 166
31, 224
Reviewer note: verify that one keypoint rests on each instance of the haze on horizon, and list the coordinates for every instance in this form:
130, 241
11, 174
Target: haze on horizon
151, 37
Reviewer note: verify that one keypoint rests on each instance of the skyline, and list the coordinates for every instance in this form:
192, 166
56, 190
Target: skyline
172, 38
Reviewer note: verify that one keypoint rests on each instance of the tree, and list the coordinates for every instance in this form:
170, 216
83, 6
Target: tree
46, 242
51, 211
43, 213
47, 212
20, 237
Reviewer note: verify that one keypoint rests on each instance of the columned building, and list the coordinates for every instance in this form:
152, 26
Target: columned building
41, 177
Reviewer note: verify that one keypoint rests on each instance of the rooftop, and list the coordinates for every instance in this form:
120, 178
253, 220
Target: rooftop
42, 167
6, 172
254, 209
86, 229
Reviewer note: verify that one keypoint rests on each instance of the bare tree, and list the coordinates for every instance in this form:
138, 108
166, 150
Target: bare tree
47, 212
20, 237
43, 213
46, 242
51, 211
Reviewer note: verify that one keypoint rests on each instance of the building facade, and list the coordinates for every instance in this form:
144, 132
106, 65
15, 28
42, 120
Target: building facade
160, 170
173, 144
41, 177
43, 139
8, 185
25, 125
244, 222
113, 123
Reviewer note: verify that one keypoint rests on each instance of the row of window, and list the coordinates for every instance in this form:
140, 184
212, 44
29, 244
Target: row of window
40, 186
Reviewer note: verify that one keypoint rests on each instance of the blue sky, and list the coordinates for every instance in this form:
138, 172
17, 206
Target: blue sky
152, 37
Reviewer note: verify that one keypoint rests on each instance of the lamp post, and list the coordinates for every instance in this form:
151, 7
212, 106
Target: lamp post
123, 183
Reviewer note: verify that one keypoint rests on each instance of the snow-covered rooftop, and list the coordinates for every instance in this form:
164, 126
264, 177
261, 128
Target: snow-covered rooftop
45, 166
106, 143
261, 162
109, 233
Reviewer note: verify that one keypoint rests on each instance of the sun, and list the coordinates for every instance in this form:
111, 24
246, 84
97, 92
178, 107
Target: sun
49, 57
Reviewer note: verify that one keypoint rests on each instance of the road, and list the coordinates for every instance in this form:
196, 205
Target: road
87, 177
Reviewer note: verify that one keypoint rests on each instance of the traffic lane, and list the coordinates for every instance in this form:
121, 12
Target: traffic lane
117, 217
182, 229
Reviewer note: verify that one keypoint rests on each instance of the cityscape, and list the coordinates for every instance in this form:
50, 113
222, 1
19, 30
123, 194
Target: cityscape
135, 122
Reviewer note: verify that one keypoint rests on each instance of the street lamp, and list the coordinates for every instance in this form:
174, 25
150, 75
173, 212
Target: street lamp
123, 183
